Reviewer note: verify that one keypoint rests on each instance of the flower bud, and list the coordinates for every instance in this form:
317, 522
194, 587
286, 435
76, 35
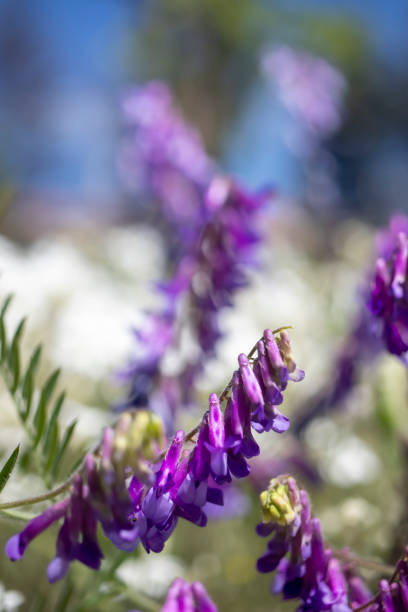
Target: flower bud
278, 504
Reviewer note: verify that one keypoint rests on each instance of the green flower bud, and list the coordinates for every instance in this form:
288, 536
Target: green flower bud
137, 441
277, 504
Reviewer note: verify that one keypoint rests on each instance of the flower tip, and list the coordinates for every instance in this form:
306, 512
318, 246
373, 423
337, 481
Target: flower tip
13, 549
243, 359
57, 569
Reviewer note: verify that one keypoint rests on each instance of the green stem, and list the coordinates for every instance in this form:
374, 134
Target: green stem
20, 516
29, 501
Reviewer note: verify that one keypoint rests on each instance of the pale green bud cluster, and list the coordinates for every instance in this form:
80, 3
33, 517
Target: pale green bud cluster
138, 440
277, 503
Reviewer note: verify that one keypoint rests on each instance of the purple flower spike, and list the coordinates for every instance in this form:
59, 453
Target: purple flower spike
183, 597
17, 544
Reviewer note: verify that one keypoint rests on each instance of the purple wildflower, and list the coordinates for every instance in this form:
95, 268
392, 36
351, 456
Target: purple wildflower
164, 160
185, 597
136, 494
305, 570
388, 301
204, 283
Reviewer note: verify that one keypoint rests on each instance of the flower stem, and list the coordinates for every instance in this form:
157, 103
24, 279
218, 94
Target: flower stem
29, 501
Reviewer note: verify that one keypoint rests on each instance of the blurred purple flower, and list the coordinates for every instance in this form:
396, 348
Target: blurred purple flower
164, 160
310, 88
388, 301
204, 283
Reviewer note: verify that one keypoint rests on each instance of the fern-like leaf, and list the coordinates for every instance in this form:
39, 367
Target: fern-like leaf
23, 387
14, 356
28, 381
8, 467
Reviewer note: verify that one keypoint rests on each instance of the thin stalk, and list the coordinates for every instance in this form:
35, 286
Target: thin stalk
29, 501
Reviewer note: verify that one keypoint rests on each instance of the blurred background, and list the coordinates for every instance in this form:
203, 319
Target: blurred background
307, 97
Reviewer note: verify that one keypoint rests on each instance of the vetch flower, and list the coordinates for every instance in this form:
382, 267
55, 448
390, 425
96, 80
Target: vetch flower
138, 493
305, 569
388, 301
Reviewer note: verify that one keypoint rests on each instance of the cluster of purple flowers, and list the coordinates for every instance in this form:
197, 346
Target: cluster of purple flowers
305, 569
388, 301
203, 284
381, 324
137, 495
213, 222
185, 597
164, 160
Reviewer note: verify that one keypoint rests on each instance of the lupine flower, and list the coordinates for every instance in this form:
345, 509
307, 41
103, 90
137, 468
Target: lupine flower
185, 597
137, 494
305, 570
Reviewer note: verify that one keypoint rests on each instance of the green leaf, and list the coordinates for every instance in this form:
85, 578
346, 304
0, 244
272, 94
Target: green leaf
8, 467
28, 382
14, 356
3, 335
65, 441
53, 419
40, 416
52, 446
